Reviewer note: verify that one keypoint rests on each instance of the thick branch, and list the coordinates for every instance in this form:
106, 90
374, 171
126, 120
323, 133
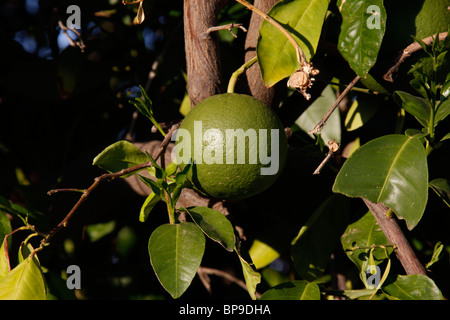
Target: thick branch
202, 53
394, 234
255, 83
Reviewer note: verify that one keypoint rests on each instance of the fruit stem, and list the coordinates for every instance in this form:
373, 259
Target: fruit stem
238, 72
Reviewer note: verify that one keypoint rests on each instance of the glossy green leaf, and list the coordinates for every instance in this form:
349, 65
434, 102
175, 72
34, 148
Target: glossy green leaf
358, 239
392, 170
176, 251
118, 156
412, 287
362, 31
148, 205
293, 290
214, 224
442, 110
420, 108
311, 116
303, 19
24, 282
252, 277
317, 239
442, 188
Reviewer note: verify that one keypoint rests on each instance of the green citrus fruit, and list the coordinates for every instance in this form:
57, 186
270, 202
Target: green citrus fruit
237, 144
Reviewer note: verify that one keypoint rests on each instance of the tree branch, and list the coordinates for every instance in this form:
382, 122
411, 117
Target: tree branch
394, 234
323, 121
202, 53
105, 177
407, 52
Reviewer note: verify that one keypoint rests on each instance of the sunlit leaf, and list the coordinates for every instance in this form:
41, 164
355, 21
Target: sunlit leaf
311, 116
148, 205
252, 277
411, 287
293, 290
176, 251
392, 170
118, 156
24, 282
363, 234
303, 19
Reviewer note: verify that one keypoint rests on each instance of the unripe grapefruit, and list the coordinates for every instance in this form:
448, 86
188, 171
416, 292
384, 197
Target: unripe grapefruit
237, 144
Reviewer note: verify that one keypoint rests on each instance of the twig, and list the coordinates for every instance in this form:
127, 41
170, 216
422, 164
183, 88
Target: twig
53, 191
407, 52
204, 273
106, 177
78, 43
323, 121
238, 72
224, 27
332, 149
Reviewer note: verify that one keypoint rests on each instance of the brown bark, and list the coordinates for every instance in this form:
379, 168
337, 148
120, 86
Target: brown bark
253, 74
202, 49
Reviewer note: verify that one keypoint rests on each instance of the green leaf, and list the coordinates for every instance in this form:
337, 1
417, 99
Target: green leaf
252, 277
214, 224
148, 205
420, 108
5, 226
118, 156
24, 282
303, 19
363, 234
4, 261
442, 188
357, 294
293, 290
358, 44
317, 239
360, 112
436, 254
262, 254
17, 210
442, 110
412, 287
176, 251
392, 170
153, 185
311, 116
99, 230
